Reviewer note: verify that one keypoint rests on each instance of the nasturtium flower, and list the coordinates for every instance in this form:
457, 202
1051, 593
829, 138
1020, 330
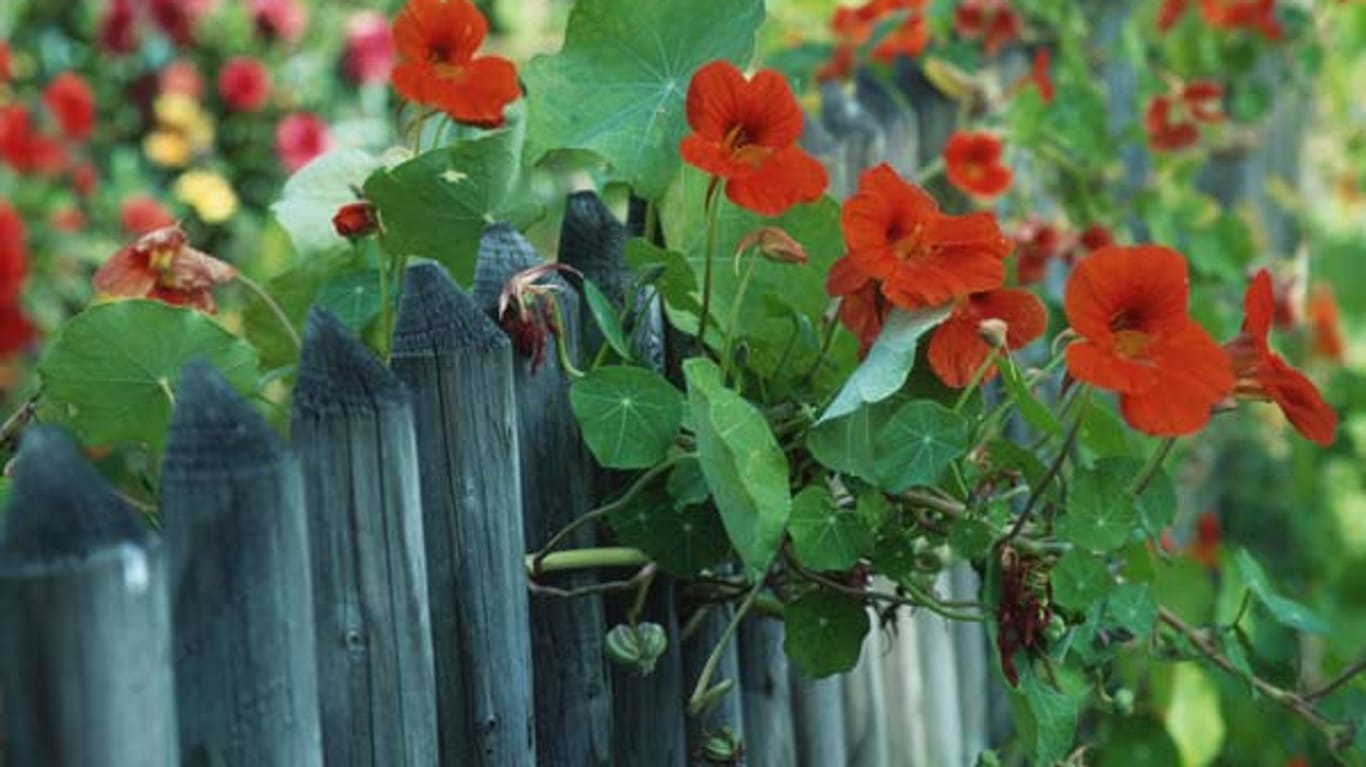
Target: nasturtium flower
1254, 15
299, 138
161, 265
1173, 120
1128, 305
369, 53
863, 308
16, 330
13, 254
4, 61
895, 234
972, 162
1037, 244
910, 38
1264, 375
71, 103
1325, 324
118, 28
355, 219
244, 84
436, 42
958, 347
745, 132
282, 20
993, 21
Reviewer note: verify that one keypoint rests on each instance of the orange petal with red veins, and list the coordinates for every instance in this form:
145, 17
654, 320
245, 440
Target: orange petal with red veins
1090, 362
788, 177
479, 92
1146, 282
715, 99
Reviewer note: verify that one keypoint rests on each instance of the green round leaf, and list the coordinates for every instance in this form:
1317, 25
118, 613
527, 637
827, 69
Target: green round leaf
1100, 514
113, 370
918, 444
825, 536
823, 632
683, 539
1079, 580
629, 416
1132, 607
312, 196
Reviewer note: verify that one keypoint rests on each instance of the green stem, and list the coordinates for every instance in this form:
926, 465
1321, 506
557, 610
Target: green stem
274, 307
651, 222
561, 345
699, 692
711, 206
977, 376
588, 559
734, 318
1045, 480
1151, 469
386, 311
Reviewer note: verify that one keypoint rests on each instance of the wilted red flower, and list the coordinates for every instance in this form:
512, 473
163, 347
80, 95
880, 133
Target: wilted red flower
993, 21
1128, 304
118, 28
1255, 15
973, 164
774, 244
526, 311
278, 19
957, 347
69, 100
244, 84
13, 254
1024, 609
436, 44
895, 234
1173, 120
1264, 375
745, 133
141, 214
84, 179
1325, 324
299, 138
355, 219
369, 55
162, 265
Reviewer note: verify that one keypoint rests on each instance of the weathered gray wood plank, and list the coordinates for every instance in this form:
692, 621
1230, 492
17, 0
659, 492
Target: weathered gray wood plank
85, 634
727, 714
573, 707
352, 430
817, 719
232, 500
765, 694
458, 366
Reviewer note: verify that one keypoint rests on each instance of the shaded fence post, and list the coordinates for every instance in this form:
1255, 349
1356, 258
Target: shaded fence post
765, 696
818, 719
726, 713
245, 672
85, 638
458, 367
647, 710
352, 430
573, 710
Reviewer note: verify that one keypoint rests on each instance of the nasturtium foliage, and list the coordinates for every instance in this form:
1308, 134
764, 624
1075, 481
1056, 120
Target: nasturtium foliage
917, 445
617, 86
845, 444
682, 538
670, 276
628, 415
1287, 612
889, 361
4, 496
437, 204
1047, 714
745, 469
1079, 579
111, 373
823, 632
1132, 607
352, 297
1030, 408
1100, 514
312, 196
826, 536
605, 317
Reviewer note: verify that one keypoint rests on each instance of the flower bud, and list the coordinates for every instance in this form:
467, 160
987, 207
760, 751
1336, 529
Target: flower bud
355, 219
993, 332
1124, 701
774, 244
637, 647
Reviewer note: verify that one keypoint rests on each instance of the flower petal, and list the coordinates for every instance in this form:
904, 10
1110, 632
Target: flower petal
1147, 283
715, 101
788, 177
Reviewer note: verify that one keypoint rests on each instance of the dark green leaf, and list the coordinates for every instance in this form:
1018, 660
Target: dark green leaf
1047, 717
1287, 612
825, 536
845, 444
918, 444
1131, 606
745, 469
1099, 513
1031, 409
682, 539
617, 86
353, 297
629, 416
1079, 580
686, 484
823, 632
113, 370
605, 315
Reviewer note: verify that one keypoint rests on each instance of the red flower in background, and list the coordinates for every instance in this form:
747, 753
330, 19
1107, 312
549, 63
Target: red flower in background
244, 84
1037, 244
1038, 74
140, 214
1254, 15
355, 219
283, 20
1173, 120
436, 44
1096, 236
4, 62
16, 330
1128, 304
1264, 375
745, 132
993, 21
118, 28
1170, 13
26, 150
973, 164
1325, 324
69, 100
957, 347
13, 254
1204, 548
911, 36
299, 138
177, 18
863, 308
895, 234
161, 265
369, 56
84, 179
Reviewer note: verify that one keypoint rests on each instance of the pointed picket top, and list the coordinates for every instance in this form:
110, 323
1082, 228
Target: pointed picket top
337, 371
435, 313
592, 240
214, 431
60, 507
503, 252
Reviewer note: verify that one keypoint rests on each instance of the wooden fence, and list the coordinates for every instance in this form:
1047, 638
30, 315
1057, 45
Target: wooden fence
358, 596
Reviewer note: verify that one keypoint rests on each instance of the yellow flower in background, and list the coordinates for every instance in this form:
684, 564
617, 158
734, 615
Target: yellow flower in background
209, 194
177, 110
167, 149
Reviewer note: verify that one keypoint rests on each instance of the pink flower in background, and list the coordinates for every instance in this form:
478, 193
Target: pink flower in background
182, 77
300, 137
70, 101
118, 28
282, 20
369, 56
244, 84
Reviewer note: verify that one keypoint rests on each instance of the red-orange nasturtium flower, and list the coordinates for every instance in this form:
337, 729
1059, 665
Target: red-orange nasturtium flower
355, 219
895, 234
162, 265
1255, 15
436, 42
863, 308
1173, 120
972, 162
911, 36
1128, 305
1325, 324
1038, 75
1264, 375
957, 347
991, 20
745, 132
